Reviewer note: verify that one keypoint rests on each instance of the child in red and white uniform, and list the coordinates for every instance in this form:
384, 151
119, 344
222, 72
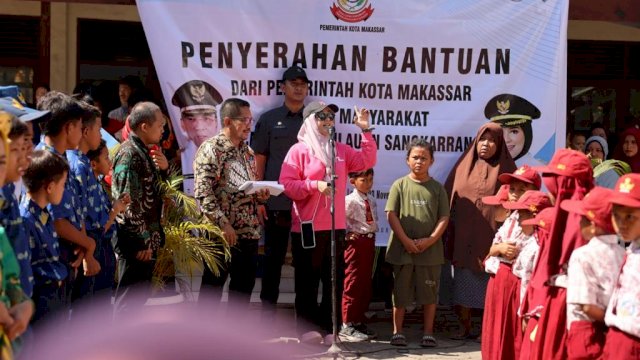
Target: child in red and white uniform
359, 254
523, 269
500, 325
506, 244
591, 274
502, 331
623, 312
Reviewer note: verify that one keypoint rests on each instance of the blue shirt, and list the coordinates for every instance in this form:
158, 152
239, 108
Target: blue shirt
99, 207
43, 242
69, 208
86, 182
11, 220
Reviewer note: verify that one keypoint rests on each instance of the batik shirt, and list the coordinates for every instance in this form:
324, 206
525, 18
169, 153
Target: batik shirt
135, 173
510, 231
623, 311
43, 242
356, 213
11, 220
69, 208
591, 275
80, 168
220, 168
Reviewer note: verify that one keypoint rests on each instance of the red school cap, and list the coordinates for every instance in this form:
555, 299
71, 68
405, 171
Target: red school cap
543, 219
627, 191
499, 198
525, 174
567, 162
532, 200
595, 206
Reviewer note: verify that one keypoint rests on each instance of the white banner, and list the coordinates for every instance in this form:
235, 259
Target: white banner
424, 68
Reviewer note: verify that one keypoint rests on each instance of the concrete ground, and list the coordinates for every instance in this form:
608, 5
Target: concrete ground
380, 348
282, 331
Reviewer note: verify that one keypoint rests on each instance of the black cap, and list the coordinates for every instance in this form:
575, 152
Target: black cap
510, 110
196, 96
317, 106
295, 72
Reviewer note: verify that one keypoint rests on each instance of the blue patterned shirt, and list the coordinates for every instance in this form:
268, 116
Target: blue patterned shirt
69, 208
11, 220
44, 244
86, 183
98, 209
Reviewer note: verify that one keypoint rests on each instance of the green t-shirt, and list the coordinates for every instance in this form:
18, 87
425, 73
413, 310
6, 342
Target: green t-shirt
418, 206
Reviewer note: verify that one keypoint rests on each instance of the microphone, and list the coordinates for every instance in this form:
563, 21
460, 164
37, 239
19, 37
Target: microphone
331, 129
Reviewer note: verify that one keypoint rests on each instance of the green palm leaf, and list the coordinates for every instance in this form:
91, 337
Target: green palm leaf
190, 239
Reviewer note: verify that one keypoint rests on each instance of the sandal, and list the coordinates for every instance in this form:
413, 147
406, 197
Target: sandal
429, 341
398, 340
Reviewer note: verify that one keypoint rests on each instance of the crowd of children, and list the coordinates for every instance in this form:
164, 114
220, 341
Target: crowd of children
553, 292
562, 285
57, 222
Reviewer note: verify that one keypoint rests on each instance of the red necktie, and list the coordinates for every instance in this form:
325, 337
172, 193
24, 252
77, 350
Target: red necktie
369, 214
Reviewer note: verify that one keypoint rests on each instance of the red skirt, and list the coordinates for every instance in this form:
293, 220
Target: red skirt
551, 336
525, 348
501, 330
585, 340
621, 346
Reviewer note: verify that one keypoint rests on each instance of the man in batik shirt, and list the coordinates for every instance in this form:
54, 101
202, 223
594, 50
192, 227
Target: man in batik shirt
136, 171
222, 164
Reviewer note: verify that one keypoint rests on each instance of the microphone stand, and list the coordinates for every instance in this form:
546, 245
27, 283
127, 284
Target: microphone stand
334, 349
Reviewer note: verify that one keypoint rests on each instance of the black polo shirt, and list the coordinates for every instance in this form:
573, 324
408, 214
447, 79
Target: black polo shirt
275, 132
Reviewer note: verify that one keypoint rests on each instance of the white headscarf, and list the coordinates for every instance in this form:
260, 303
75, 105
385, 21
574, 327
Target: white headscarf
317, 143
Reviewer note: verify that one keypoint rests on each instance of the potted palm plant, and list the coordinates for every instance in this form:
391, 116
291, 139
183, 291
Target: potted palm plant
191, 240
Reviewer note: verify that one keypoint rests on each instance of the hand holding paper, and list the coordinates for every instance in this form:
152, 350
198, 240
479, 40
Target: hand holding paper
273, 187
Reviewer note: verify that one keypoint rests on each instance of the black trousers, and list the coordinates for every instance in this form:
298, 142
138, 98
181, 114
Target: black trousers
311, 267
241, 268
134, 285
276, 240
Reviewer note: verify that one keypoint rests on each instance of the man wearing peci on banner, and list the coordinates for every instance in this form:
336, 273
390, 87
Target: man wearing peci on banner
197, 102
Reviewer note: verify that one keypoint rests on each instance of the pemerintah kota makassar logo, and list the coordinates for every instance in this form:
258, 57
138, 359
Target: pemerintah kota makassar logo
352, 11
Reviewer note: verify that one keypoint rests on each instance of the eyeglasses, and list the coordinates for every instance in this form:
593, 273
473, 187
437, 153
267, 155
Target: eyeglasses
322, 116
246, 120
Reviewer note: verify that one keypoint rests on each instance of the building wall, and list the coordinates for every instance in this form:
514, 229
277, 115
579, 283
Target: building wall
64, 18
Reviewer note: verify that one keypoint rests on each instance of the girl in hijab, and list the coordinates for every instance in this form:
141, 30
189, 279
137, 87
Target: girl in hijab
568, 176
596, 148
628, 150
474, 176
306, 178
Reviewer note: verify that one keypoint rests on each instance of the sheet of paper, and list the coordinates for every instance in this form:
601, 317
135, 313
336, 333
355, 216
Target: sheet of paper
251, 187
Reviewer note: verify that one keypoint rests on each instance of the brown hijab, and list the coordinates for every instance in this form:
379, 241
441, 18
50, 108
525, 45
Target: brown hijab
469, 180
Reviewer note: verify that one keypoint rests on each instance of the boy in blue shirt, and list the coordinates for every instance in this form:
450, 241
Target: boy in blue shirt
86, 186
101, 216
45, 182
63, 132
10, 217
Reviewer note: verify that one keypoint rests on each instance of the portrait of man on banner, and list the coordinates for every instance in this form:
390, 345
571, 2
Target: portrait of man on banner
197, 101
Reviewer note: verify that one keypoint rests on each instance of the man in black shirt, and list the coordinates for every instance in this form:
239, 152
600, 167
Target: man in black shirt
275, 132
